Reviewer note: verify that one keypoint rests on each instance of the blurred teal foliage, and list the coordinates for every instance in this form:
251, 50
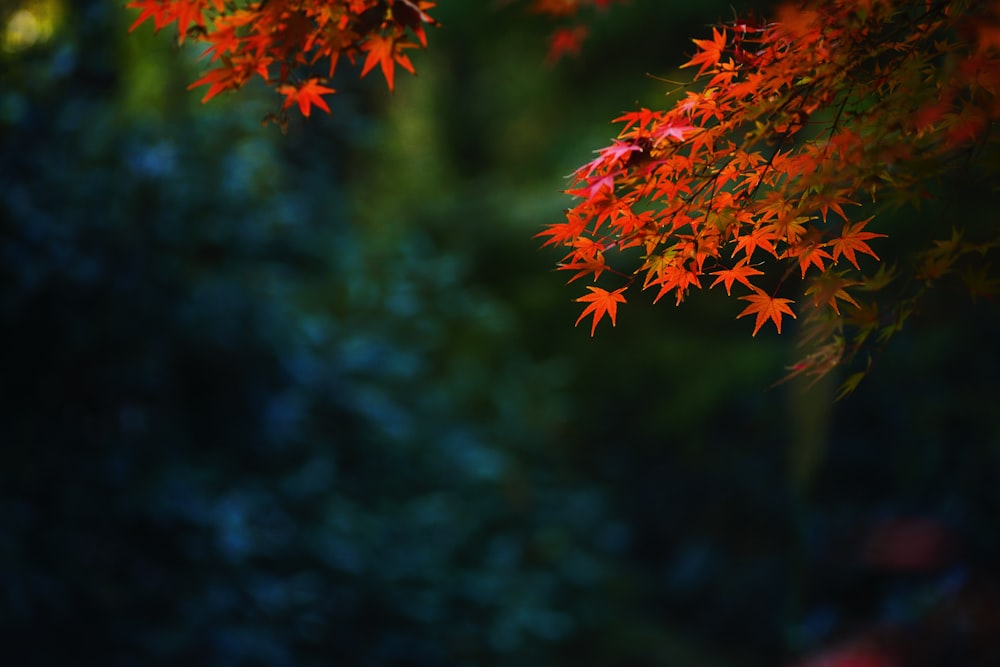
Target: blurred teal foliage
317, 399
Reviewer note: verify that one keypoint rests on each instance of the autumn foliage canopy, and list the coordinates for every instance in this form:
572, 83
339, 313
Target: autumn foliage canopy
765, 173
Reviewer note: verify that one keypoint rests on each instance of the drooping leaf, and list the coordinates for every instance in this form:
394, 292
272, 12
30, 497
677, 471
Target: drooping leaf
766, 307
601, 302
709, 51
279, 40
306, 95
852, 239
740, 273
387, 52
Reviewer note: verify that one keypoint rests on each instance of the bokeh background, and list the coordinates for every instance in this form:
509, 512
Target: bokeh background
316, 398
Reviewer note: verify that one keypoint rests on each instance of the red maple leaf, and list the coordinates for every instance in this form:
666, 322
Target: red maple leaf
232, 75
387, 51
759, 237
601, 302
640, 118
306, 95
811, 254
740, 273
767, 308
151, 9
673, 130
852, 240
709, 51
674, 276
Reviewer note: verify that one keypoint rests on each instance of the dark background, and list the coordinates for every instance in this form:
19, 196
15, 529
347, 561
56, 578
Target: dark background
317, 398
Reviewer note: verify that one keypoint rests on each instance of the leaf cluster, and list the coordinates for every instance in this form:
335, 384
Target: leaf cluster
773, 165
286, 42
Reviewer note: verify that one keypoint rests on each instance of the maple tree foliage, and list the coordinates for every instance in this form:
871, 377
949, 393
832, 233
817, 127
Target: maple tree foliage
766, 173
293, 45
755, 174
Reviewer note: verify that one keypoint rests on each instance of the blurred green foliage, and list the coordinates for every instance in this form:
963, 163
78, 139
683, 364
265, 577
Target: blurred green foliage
317, 398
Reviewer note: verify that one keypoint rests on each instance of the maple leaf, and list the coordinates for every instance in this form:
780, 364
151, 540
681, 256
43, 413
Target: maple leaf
759, 237
232, 75
150, 9
584, 265
882, 277
709, 51
217, 80
639, 119
565, 41
852, 240
617, 151
789, 229
563, 233
672, 130
677, 277
828, 287
601, 301
187, 14
767, 308
833, 202
740, 273
307, 94
809, 255
412, 15
596, 187
223, 41
656, 265
387, 52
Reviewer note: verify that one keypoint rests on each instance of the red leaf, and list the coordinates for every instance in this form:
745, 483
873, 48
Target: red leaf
740, 272
709, 51
386, 52
151, 9
809, 255
759, 237
852, 240
601, 301
306, 95
767, 308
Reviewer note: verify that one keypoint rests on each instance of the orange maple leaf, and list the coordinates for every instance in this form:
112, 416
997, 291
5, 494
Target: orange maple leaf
306, 95
674, 276
767, 308
601, 302
585, 266
187, 14
740, 273
852, 240
759, 237
709, 51
231, 76
387, 51
809, 255
641, 118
